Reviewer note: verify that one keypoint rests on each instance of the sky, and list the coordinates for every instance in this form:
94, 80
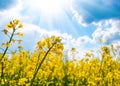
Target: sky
80, 23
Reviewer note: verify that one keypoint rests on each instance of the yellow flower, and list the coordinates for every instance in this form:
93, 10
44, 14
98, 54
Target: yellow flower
91, 83
60, 46
40, 44
13, 40
2, 82
20, 26
20, 34
16, 21
89, 54
7, 44
5, 31
12, 52
104, 48
8, 26
29, 74
98, 79
19, 41
22, 81
58, 39
14, 24
20, 47
73, 50
3, 44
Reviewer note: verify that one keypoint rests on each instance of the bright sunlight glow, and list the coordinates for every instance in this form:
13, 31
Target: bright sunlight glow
50, 7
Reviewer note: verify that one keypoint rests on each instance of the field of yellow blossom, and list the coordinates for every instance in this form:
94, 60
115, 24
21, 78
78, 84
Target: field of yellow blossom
46, 66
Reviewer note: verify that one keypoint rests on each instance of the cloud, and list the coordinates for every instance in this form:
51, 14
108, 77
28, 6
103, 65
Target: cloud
108, 31
117, 45
35, 33
34, 24
9, 14
32, 31
78, 17
96, 10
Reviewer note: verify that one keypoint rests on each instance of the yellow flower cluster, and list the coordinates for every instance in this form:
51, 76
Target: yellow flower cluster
10, 32
7, 44
14, 24
48, 66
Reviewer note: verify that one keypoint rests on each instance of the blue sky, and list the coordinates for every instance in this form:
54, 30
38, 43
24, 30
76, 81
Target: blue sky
80, 23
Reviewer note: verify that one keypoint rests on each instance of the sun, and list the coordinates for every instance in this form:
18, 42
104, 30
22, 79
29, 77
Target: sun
50, 7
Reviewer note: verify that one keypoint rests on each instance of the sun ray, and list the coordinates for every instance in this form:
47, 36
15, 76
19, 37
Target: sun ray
49, 7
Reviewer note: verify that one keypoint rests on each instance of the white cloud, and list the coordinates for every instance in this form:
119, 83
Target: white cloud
117, 44
109, 30
78, 17
8, 14
33, 33
36, 33
84, 39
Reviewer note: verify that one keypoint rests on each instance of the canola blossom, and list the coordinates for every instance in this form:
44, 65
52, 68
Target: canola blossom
46, 66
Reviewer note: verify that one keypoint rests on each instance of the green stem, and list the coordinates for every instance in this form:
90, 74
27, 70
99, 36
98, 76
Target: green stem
37, 62
2, 69
35, 73
7, 46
